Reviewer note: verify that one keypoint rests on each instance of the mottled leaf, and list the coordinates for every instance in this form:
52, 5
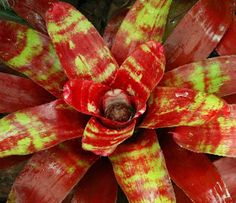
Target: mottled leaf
50, 175
216, 137
215, 75
81, 49
142, 70
31, 53
103, 140
38, 128
145, 21
140, 170
170, 106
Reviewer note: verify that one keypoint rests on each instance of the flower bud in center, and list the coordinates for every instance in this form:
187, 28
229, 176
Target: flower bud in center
118, 112
117, 106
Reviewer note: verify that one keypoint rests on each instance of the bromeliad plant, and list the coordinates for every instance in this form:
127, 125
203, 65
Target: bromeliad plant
110, 104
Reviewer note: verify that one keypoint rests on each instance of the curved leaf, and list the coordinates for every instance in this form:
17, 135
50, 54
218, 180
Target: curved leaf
99, 184
216, 137
17, 93
227, 169
145, 21
140, 170
31, 53
194, 174
50, 175
227, 45
113, 26
199, 32
215, 75
141, 71
85, 96
33, 11
81, 49
169, 107
39, 128
102, 140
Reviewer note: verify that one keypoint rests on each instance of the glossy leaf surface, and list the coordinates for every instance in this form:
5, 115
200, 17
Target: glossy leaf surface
38, 128
216, 137
81, 49
227, 169
33, 11
31, 53
208, 22
103, 140
227, 45
50, 175
180, 195
99, 184
140, 170
142, 70
18, 93
145, 21
169, 106
194, 174
216, 75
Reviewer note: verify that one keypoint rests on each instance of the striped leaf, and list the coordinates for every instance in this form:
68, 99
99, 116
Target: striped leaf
145, 21
38, 128
169, 107
81, 49
216, 137
142, 70
31, 53
102, 140
140, 170
215, 76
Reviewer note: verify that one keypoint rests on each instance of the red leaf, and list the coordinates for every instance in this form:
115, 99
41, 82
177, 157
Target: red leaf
140, 170
31, 53
199, 32
85, 96
81, 49
180, 195
230, 99
145, 21
98, 185
227, 169
215, 75
8, 162
102, 140
216, 137
169, 106
17, 93
142, 70
50, 175
113, 26
194, 174
227, 45
33, 11
39, 128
